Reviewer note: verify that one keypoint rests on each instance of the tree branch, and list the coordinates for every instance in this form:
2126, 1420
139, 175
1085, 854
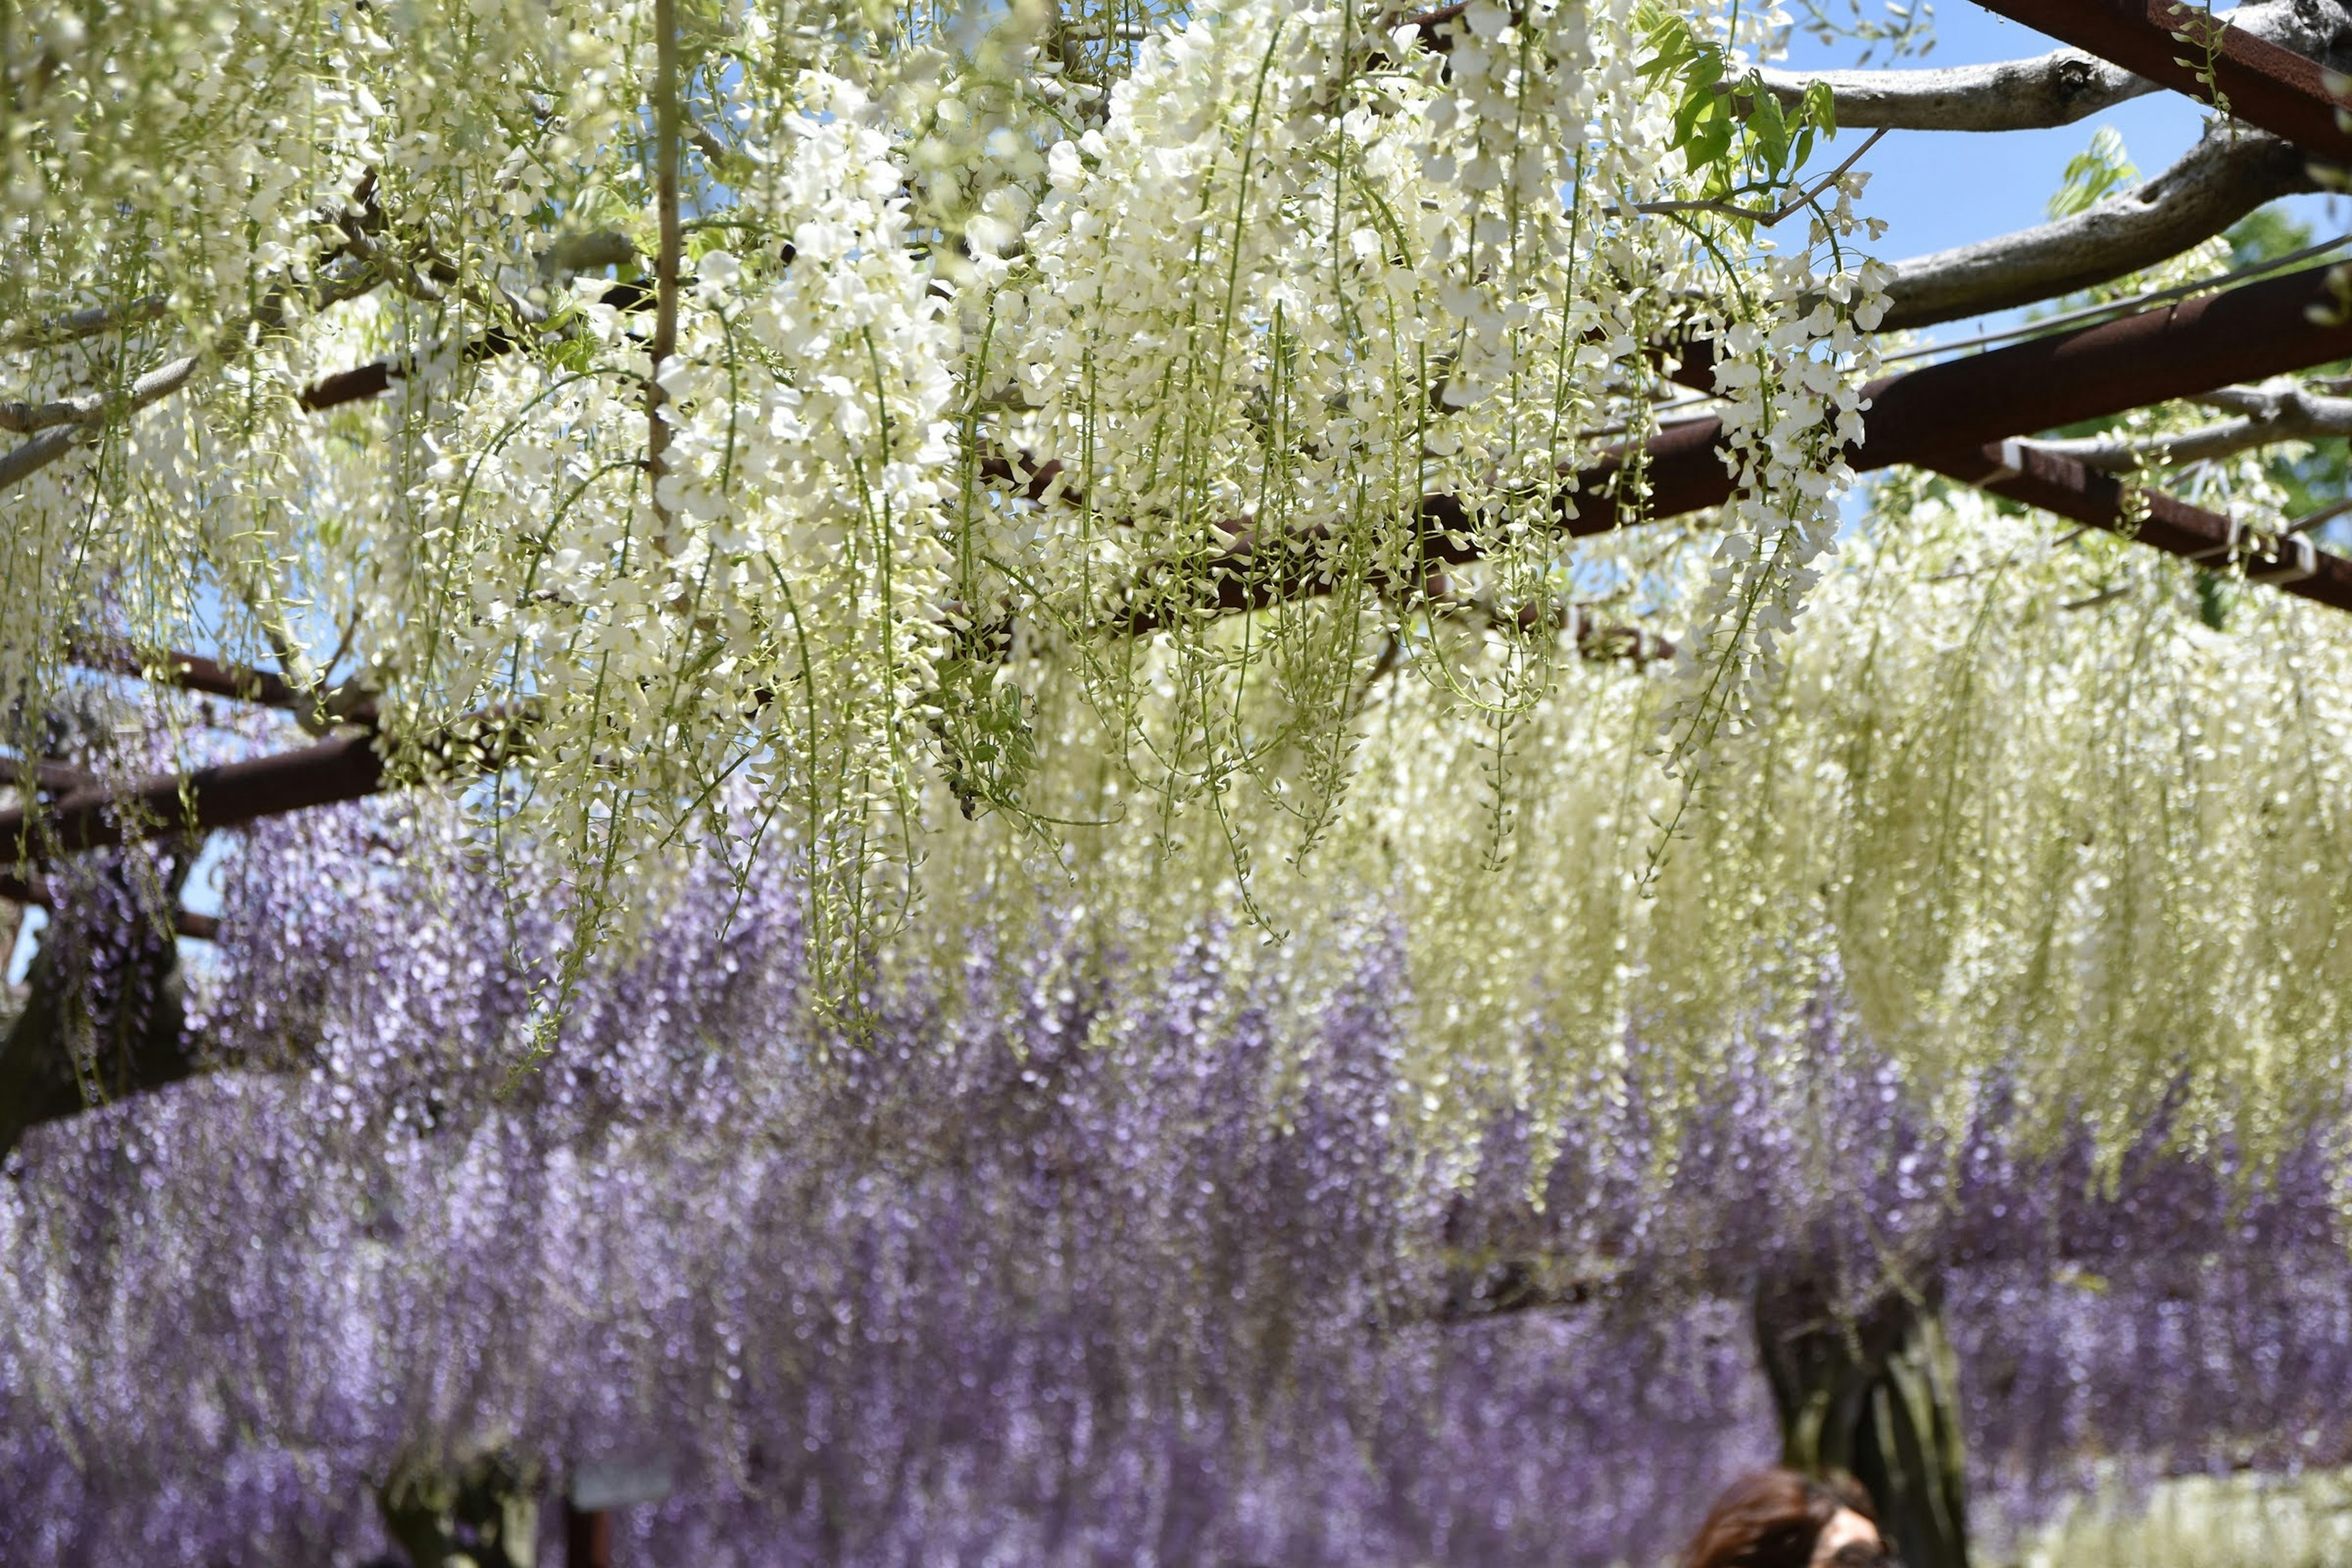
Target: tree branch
68, 422
37, 454
586, 252
89, 323
578, 253
2268, 417
1773, 216
93, 408
2324, 515
2056, 88
2226, 175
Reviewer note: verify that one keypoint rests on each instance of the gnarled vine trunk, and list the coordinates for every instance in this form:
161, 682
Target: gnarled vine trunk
1876, 1394
102, 1016
482, 1512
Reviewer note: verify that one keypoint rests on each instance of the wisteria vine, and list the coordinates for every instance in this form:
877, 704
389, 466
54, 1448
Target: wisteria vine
1069, 1255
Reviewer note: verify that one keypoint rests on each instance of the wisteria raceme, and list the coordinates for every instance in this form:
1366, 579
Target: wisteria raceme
985, 329
2082, 1379
1061, 1255
1010, 1279
1220, 299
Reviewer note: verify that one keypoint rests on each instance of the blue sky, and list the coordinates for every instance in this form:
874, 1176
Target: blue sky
1940, 189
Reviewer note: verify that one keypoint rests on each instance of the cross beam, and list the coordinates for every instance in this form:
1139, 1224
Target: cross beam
35, 890
186, 671
1944, 416
2190, 50
227, 796
2057, 483
2268, 328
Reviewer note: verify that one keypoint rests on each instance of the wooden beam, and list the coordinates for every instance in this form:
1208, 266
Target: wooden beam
187, 671
2264, 84
2056, 483
1940, 416
198, 802
2247, 334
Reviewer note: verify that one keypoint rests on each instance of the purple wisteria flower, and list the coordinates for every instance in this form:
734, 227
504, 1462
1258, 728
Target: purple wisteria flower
1057, 1256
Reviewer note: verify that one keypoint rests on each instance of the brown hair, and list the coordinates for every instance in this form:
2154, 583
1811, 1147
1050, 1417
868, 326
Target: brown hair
1772, 1518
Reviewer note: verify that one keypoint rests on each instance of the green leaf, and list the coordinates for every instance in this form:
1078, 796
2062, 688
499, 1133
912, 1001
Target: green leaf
1688, 114
1713, 142
1820, 106
1767, 126
1670, 40
2093, 174
1707, 66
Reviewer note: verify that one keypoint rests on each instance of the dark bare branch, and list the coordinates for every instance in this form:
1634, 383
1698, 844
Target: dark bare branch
2229, 174
587, 252
2320, 517
579, 254
2056, 88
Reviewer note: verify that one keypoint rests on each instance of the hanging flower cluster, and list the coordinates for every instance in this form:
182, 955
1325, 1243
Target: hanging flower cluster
1158, 436
1067, 1255
203, 197
1051, 333
768, 610
2038, 817
1288, 331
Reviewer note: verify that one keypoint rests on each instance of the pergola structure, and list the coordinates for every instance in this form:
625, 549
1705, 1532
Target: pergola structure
1977, 417
1972, 417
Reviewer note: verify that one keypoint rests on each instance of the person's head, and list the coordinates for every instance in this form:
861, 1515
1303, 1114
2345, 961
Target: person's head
1780, 1518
